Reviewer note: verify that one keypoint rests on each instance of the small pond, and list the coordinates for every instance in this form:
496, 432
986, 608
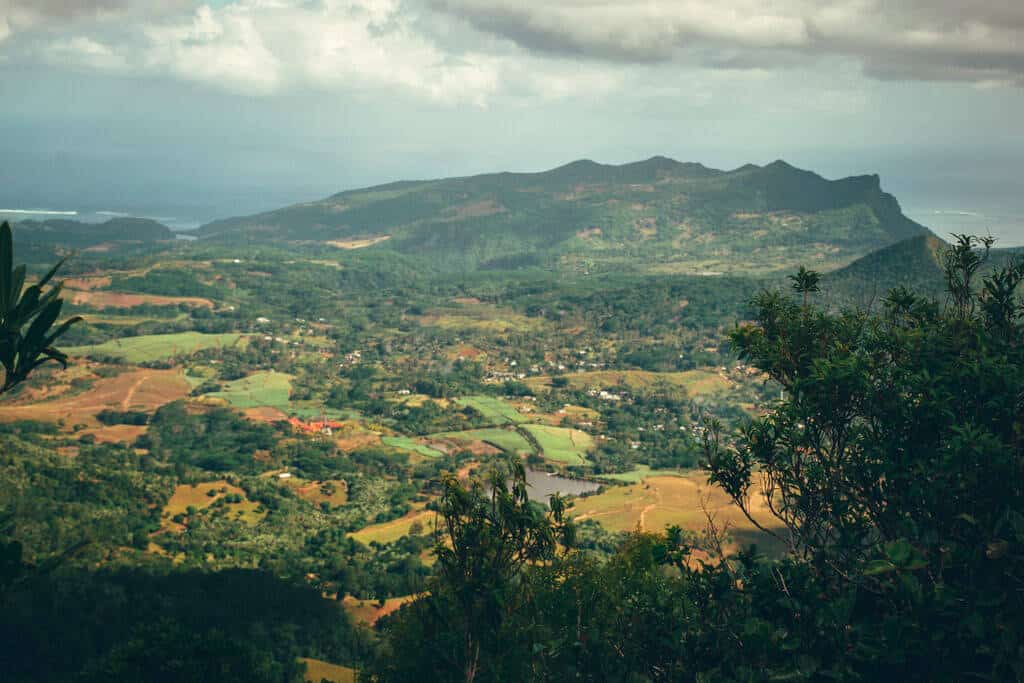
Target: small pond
542, 484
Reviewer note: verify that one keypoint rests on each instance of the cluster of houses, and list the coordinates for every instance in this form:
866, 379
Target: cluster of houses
604, 395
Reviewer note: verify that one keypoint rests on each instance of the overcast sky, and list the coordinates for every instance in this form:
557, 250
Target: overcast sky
205, 110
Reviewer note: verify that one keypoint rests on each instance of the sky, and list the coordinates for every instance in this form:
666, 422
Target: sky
191, 111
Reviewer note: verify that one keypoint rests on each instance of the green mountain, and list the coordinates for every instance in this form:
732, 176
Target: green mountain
83, 235
657, 215
914, 263
42, 241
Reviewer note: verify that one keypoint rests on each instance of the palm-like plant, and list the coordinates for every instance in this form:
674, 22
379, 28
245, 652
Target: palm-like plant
27, 318
806, 281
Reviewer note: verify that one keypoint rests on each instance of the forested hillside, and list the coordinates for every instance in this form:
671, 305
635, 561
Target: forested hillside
657, 216
40, 241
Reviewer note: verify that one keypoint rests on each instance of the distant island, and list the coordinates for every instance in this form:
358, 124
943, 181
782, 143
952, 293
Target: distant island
655, 216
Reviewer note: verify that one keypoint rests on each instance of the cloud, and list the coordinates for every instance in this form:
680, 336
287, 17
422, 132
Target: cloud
85, 52
259, 47
981, 40
473, 51
628, 31
225, 49
23, 15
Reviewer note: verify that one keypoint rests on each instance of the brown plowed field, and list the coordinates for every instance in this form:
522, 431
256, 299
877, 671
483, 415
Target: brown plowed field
143, 390
104, 299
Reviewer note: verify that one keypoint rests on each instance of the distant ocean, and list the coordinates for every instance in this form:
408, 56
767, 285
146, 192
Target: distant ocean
1006, 224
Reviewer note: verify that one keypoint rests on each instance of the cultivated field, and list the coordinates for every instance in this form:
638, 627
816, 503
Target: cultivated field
142, 390
258, 390
356, 438
481, 318
696, 382
334, 492
153, 347
505, 439
664, 500
494, 409
561, 444
408, 444
105, 299
115, 433
199, 497
388, 532
368, 612
638, 474
358, 243
318, 671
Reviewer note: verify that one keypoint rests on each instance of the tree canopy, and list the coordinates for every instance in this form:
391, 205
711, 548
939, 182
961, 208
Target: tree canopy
892, 473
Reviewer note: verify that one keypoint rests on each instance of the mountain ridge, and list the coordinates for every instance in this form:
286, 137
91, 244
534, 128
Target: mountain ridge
79, 233
657, 213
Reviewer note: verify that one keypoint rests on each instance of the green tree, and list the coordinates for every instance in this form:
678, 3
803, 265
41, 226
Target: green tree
489, 536
894, 471
805, 281
27, 318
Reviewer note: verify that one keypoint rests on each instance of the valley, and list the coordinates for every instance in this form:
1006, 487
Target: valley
285, 393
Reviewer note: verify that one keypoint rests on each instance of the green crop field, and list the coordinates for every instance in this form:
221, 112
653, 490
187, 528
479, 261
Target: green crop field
494, 409
507, 440
407, 444
258, 389
561, 444
153, 347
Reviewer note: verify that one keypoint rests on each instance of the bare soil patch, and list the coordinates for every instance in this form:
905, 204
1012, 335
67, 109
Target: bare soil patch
143, 390
358, 242
105, 299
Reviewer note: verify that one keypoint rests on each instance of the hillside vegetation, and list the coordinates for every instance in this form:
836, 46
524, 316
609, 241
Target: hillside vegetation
296, 418
657, 215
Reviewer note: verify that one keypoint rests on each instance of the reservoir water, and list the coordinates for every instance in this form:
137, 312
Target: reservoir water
541, 485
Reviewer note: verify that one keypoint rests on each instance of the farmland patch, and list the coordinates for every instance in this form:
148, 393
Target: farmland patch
368, 612
408, 444
561, 444
202, 496
105, 299
497, 410
505, 439
359, 242
318, 671
152, 347
258, 390
387, 532
140, 390
697, 382
661, 500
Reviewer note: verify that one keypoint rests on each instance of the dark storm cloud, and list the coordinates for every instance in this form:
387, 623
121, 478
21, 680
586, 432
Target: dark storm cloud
980, 40
57, 8
17, 15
